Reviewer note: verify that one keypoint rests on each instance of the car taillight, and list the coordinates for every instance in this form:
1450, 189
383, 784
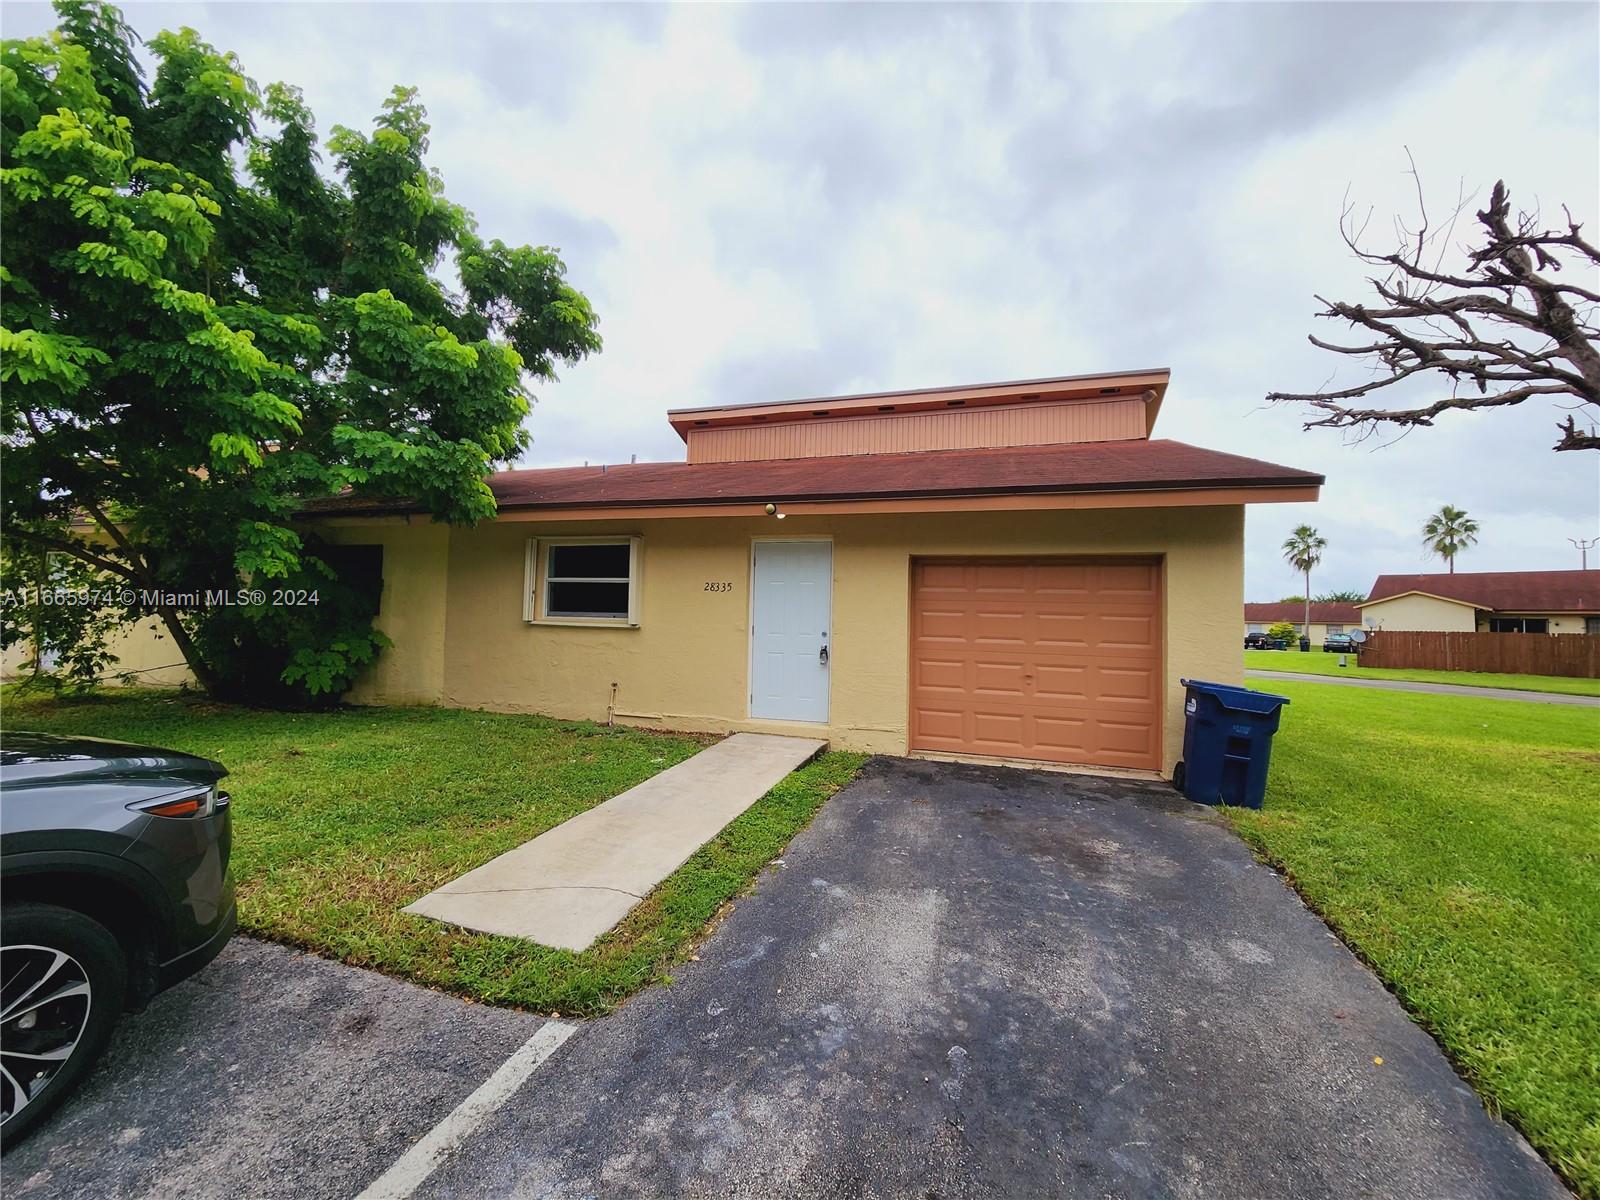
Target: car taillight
199, 803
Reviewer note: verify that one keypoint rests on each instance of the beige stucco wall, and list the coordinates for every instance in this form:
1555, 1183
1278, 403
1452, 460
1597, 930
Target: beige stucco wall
145, 650
686, 665
453, 606
416, 558
1419, 612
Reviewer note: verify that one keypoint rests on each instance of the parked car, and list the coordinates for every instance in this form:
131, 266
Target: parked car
1263, 641
1340, 643
114, 865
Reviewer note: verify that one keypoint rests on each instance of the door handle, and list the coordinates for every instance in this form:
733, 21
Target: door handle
822, 656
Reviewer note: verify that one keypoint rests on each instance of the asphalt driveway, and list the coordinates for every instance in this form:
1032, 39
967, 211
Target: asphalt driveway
959, 982
965, 981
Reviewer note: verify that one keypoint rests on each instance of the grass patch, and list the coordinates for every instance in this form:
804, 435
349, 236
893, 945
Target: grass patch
1454, 842
340, 818
1319, 662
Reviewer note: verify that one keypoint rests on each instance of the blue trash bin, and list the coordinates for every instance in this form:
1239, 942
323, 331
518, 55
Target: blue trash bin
1227, 743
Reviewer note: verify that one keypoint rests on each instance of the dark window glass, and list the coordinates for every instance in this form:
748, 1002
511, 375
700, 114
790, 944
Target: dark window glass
587, 600
588, 562
1519, 625
361, 569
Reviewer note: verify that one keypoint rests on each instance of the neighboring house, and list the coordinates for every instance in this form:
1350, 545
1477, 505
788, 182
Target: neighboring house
1487, 602
1009, 570
143, 651
1325, 618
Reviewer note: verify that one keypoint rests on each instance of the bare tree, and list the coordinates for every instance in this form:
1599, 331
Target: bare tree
1503, 331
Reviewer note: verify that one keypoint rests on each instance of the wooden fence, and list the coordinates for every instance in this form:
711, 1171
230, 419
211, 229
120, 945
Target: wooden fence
1510, 653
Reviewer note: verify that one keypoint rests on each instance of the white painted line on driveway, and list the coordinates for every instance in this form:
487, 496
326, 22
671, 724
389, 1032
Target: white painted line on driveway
417, 1163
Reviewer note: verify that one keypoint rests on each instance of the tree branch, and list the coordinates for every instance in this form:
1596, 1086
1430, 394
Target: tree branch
1429, 322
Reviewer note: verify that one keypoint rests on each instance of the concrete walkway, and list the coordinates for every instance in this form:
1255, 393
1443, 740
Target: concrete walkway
572, 883
1437, 689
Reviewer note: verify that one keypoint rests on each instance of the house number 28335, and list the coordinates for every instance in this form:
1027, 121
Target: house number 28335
719, 585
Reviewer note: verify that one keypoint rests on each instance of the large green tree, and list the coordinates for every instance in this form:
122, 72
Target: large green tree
206, 324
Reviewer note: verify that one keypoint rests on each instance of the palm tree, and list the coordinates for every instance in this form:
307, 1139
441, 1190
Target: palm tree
1302, 551
1448, 532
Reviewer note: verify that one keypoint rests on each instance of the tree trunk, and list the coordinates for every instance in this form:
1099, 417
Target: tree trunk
1305, 630
204, 675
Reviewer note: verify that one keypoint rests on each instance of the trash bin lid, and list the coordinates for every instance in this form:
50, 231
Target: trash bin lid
1237, 698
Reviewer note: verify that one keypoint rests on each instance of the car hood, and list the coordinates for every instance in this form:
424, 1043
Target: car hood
48, 758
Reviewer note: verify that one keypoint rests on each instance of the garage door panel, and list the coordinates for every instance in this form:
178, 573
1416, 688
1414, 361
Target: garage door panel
1132, 741
1061, 631
946, 723
1004, 625
999, 679
1119, 631
1003, 581
940, 576
1061, 683
942, 623
1063, 580
999, 728
938, 673
1063, 736
1122, 683
1052, 659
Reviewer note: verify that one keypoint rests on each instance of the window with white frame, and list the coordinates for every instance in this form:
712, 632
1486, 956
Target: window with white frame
583, 580
1255, 627
1335, 628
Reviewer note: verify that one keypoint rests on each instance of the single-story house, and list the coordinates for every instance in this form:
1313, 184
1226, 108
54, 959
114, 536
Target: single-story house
1326, 618
1002, 570
1486, 602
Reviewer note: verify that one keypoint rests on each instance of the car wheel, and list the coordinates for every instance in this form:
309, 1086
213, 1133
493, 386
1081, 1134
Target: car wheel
1179, 774
63, 980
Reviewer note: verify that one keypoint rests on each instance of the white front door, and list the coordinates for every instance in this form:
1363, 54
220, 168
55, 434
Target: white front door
790, 620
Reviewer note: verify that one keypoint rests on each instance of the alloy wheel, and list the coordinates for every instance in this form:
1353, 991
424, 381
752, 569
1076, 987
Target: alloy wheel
44, 1009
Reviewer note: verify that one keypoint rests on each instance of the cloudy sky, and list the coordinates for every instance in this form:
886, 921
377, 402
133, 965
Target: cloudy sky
798, 200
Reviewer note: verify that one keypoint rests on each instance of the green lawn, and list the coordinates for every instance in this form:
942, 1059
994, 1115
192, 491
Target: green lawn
341, 818
1454, 842
1319, 662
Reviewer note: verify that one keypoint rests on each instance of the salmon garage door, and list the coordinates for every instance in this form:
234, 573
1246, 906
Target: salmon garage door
1056, 659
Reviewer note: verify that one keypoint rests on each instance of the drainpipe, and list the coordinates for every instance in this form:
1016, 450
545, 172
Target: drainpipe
611, 709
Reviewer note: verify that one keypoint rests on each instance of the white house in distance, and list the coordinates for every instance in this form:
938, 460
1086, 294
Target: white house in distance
1486, 602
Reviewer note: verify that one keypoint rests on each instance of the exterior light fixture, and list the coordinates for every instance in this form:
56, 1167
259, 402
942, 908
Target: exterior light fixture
772, 511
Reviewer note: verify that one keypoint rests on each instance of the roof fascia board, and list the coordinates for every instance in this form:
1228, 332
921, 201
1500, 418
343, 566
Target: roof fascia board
1149, 385
1007, 502
1429, 595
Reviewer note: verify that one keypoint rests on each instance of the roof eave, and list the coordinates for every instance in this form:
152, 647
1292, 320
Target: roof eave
1227, 491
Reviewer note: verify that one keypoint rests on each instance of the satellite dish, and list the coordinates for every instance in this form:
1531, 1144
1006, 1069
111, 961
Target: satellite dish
1358, 636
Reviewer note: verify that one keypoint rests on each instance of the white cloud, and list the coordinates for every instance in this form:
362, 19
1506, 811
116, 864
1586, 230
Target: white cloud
793, 200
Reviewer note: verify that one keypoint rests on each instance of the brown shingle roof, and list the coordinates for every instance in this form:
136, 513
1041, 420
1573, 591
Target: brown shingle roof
1321, 614
1502, 591
1011, 470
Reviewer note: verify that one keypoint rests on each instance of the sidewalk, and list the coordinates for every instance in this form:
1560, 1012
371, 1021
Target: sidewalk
572, 883
1437, 689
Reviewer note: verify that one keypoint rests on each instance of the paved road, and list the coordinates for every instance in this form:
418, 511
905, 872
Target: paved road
960, 981
1437, 689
